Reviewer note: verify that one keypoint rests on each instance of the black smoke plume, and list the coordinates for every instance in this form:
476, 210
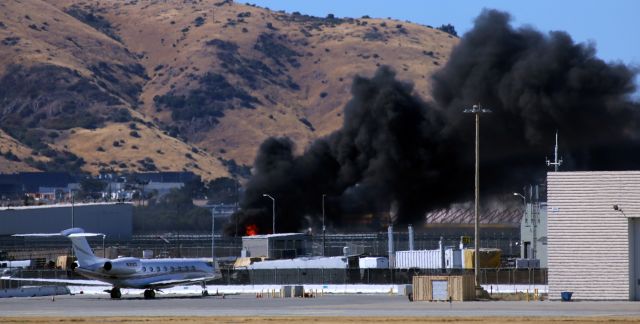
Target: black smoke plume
395, 150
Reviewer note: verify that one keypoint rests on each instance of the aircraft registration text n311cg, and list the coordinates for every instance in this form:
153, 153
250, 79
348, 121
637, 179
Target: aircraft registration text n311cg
148, 274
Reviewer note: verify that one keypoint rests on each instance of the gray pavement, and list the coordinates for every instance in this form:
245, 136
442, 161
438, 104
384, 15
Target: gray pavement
328, 305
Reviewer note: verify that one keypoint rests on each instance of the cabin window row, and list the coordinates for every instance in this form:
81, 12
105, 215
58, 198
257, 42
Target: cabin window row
166, 269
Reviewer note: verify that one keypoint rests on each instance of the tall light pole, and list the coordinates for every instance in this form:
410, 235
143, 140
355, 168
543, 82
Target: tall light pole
477, 110
273, 200
213, 232
213, 227
524, 201
104, 252
324, 228
72, 203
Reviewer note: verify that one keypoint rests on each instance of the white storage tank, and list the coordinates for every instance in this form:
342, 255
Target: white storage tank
373, 263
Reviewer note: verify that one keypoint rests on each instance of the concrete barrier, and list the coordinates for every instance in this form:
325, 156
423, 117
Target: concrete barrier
34, 291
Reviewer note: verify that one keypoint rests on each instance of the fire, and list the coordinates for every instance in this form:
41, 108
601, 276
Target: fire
251, 230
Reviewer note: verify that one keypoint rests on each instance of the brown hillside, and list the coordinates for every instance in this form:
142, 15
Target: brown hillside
8, 147
221, 76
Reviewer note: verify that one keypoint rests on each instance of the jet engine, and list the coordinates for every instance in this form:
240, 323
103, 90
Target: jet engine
122, 266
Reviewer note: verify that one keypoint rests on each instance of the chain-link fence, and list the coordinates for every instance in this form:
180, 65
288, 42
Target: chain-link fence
230, 276
199, 245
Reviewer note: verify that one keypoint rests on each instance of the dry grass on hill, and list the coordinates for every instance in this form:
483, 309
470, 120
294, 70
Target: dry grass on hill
281, 74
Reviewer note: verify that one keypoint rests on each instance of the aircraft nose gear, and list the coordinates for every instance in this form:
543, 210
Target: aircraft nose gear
149, 294
204, 289
115, 293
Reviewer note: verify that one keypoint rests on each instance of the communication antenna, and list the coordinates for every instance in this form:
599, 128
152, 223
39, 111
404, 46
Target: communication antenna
556, 163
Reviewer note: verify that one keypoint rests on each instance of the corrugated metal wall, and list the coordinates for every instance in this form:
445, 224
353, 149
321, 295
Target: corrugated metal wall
588, 240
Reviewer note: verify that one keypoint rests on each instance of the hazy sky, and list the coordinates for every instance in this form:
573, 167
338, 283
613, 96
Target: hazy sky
612, 25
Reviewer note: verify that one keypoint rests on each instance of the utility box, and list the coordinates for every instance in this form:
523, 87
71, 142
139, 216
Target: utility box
441, 288
292, 291
373, 263
452, 259
527, 263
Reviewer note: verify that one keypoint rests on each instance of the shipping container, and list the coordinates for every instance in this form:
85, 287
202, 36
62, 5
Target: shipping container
429, 259
423, 259
489, 258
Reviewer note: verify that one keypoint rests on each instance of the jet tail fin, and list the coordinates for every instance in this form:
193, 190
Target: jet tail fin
79, 243
81, 247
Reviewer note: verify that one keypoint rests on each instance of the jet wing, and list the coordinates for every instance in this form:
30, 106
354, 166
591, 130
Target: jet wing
70, 282
59, 234
176, 282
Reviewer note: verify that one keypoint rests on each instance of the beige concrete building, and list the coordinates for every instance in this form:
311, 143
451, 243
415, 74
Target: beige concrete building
594, 234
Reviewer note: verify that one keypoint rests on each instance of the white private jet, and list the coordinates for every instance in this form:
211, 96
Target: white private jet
148, 274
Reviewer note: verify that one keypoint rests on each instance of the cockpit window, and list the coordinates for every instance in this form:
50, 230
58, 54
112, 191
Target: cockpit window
210, 264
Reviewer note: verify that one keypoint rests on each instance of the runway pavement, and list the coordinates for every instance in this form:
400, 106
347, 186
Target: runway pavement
328, 305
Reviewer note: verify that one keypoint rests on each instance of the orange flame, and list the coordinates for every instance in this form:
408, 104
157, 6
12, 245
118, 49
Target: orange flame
252, 230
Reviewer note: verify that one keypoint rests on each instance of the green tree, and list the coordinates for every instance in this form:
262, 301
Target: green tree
91, 188
223, 190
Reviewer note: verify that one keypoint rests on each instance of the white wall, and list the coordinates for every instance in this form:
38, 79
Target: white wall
588, 241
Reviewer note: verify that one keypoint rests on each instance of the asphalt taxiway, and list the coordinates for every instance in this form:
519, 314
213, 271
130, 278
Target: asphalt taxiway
328, 305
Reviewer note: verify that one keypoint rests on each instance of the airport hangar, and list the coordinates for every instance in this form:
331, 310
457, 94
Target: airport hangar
594, 234
115, 220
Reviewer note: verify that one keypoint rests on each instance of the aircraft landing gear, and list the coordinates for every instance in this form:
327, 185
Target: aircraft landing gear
204, 290
115, 293
149, 294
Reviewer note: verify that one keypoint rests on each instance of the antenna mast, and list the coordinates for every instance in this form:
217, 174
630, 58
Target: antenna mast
556, 163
